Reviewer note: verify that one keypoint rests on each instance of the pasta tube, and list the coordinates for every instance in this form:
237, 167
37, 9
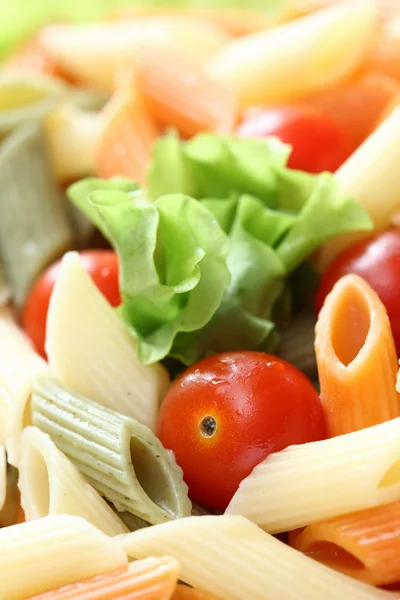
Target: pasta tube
26, 97
94, 52
358, 105
308, 483
47, 553
385, 55
121, 458
365, 545
72, 136
298, 58
370, 175
178, 94
230, 554
30, 197
51, 485
126, 137
91, 351
356, 357
19, 367
148, 579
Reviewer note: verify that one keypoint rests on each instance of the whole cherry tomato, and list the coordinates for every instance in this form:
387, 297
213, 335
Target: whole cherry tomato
377, 260
228, 412
102, 266
318, 143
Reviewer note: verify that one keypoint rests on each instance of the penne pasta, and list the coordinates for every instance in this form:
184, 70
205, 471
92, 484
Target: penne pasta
24, 96
30, 197
184, 592
126, 137
358, 105
364, 545
177, 94
370, 175
72, 135
308, 483
47, 553
93, 52
19, 367
3, 477
121, 458
51, 485
148, 579
385, 55
90, 350
232, 555
299, 58
356, 358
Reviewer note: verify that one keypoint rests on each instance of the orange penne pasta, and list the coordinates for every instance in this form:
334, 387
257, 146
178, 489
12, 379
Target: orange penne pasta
126, 138
184, 592
385, 56
148, 579
179, 94
358, 106
356, 358
32, 57
365, 545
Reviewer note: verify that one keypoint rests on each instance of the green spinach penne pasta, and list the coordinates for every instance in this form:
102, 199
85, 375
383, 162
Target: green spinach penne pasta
120, 457
34, 222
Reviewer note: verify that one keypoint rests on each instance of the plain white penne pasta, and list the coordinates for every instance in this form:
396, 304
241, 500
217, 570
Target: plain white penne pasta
3, 476
94, 52
72, 135
51, 485
310, 482
19, 367
48, 553
90, 350
371, 176
233, 557
297, 58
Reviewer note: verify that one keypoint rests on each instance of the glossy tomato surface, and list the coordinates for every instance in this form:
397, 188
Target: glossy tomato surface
102, 266
318, 143
377, 260
228, 412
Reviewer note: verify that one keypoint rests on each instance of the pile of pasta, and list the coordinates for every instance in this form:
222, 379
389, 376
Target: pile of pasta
91, 99
93, 507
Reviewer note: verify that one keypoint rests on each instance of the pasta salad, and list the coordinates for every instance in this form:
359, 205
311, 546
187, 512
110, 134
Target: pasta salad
199, 303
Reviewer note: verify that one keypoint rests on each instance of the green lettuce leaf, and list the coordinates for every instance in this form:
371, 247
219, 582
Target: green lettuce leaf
207, 267
172, 254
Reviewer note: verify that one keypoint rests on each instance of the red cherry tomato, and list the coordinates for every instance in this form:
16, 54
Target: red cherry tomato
228, 412
377, 260
102, 266
318, 143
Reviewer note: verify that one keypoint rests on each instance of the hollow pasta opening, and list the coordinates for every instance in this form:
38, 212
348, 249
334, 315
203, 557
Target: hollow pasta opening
38, 483
150, 474
350, 325
392, 476
334, 556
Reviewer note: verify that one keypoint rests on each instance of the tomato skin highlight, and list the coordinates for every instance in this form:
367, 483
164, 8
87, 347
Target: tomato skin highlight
260, 404
377, 260
318, 143
102, 266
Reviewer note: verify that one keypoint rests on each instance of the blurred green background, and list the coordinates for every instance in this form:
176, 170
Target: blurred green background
20, 17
